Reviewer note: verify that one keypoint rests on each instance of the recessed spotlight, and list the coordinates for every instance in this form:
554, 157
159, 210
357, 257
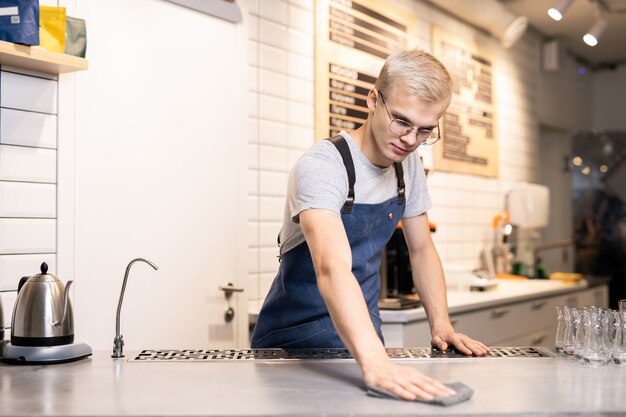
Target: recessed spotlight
593, 35
558, 11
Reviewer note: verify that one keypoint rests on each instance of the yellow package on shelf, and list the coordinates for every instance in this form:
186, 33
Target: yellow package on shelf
52, 28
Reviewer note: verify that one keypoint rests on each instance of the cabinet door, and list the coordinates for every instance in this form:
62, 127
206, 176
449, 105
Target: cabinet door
493, 324
542, 337
412, 334
598, 296
540, 313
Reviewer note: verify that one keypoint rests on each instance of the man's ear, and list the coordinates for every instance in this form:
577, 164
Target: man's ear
372, 100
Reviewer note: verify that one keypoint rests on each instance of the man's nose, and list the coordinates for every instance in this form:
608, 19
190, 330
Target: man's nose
410, 138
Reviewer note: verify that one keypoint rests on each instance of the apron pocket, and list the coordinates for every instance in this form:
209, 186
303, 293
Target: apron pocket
291, 336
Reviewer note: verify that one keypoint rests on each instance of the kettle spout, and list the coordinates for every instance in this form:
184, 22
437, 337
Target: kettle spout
66, 301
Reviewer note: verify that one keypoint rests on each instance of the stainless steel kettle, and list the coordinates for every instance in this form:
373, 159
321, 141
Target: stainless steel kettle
42, 315
1, 321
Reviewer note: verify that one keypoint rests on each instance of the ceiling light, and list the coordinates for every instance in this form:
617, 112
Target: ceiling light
593, 35
558, 11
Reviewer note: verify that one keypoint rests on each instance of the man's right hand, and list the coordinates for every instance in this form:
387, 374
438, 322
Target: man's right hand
404, 381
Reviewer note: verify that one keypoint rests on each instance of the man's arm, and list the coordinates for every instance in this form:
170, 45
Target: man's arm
332, 259
431, 287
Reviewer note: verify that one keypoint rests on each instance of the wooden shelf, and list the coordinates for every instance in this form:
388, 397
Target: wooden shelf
38, 59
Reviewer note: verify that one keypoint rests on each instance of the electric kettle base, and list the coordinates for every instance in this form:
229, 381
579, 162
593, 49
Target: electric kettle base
43, 355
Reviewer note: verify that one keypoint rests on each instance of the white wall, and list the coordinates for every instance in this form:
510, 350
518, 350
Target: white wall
609, 99
565, 96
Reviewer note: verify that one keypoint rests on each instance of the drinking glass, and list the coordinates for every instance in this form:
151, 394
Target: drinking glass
622, 305
596, 348
582, 333
561, 325
572, 320
619, 344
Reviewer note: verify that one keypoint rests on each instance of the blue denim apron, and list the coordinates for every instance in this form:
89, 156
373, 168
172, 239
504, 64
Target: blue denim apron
294, 314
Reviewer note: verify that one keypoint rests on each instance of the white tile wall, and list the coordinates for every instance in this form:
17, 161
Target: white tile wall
24, 236
281, 128
28, 93
273, 133
18, 163
272, 58
28, 129
28, 173
273, 10
14, 267
24, 199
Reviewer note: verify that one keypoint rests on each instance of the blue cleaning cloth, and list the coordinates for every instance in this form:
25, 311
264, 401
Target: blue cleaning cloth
463, 393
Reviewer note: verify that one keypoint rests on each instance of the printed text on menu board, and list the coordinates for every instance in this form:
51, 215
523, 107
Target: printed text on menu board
353, 38
469, 144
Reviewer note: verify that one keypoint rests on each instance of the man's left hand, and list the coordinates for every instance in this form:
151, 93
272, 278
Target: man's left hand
461, 342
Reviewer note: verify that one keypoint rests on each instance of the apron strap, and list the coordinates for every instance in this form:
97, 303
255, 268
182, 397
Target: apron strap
344, 150
400, 176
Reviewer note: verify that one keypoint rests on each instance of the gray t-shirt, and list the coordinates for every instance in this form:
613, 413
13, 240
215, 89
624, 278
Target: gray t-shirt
319, 180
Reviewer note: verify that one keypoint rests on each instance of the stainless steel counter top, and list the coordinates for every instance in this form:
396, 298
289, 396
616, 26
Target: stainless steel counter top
102, 386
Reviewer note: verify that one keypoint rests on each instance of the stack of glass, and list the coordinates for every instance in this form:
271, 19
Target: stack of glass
593, 335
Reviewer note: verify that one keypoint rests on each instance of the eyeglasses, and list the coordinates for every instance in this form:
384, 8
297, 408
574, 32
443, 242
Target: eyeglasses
425, 136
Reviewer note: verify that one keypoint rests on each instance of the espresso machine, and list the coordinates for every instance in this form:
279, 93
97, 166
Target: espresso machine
396, 280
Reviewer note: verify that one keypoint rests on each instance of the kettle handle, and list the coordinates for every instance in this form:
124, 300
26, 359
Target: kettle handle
66, 300
21, 283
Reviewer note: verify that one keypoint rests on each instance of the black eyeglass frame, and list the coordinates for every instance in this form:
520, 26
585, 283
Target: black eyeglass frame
407, 127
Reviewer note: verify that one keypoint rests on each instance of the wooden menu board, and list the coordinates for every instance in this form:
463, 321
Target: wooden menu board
352, 40
469, 144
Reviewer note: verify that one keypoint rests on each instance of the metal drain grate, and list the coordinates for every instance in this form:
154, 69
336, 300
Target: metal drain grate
322, 354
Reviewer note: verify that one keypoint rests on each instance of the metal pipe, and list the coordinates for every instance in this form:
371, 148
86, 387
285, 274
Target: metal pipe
489, 15
545, 246
552, 245
118, 342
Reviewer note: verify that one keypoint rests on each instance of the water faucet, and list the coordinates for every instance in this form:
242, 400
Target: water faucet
545, 246
118, 342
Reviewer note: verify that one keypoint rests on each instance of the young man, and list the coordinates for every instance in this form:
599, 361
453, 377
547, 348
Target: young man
326, 291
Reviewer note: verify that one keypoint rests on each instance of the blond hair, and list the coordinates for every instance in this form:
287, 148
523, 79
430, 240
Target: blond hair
423, 75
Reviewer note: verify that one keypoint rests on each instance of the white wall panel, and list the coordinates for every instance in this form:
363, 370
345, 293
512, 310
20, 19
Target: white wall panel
14, 267
18, 163
24, 128
27, 236
26, 199
23, 92
8, 300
